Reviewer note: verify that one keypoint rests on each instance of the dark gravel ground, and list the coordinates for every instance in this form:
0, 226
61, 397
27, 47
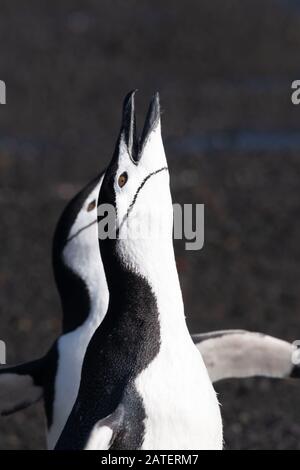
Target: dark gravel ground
220, 67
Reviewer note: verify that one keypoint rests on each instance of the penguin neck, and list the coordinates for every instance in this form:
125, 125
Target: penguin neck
79, 284
154, 262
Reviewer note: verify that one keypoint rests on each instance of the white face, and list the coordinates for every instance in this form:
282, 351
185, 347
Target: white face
142, 194
81, 252
86, 217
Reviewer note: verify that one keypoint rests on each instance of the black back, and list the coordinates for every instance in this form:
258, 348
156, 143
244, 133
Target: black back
72, 289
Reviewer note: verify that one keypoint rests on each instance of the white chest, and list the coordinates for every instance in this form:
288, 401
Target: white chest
180, 403
71, 351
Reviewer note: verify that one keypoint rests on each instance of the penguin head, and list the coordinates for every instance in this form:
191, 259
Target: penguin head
136, 182
77, 265
76, 228
82, 211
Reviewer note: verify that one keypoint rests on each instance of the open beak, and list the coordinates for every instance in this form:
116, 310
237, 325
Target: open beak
134, 145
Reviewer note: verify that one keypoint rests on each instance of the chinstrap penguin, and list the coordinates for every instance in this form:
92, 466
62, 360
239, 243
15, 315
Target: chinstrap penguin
82, 287
144, 384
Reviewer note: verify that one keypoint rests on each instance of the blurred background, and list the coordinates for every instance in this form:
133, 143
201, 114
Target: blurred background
232, 136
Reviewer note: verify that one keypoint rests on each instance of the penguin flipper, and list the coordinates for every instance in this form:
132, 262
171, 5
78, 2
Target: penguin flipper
20, 386
105, 431
240, 354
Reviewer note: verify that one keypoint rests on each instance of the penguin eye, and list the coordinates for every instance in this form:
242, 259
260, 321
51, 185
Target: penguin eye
91, 205
122, 179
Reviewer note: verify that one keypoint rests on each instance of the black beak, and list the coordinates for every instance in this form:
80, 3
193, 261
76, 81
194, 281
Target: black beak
129, 126
152, 119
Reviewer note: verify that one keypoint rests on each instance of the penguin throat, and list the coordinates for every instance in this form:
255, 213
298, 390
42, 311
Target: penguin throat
140, 276
155, 262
